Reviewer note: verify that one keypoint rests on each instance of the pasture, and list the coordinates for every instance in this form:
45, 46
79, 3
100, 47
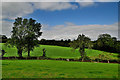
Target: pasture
57, 69
56, 52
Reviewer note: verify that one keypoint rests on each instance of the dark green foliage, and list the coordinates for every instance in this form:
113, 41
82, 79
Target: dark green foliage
44, 52
64, 43
18, 35
3, 39
81, 42
25, 35
33, 32
107, 43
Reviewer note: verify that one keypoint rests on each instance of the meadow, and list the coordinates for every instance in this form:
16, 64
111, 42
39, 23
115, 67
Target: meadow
57, 69
56, 52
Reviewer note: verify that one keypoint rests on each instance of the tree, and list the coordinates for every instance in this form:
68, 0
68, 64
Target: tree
44, 52
101, 57
108, 57
105, 42
117, 46
18, 33
81, 42
32, 34
105, 56
25, 34
92, 58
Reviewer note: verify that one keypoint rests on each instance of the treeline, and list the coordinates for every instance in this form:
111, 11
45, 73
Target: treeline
64, 43
104, 43
115, 48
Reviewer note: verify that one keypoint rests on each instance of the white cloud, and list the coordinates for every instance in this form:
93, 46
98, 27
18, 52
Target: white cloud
70, 30
38, 1
67, 31
6, 28
51, 6
108, 0
10, 10
86, 4
59, 0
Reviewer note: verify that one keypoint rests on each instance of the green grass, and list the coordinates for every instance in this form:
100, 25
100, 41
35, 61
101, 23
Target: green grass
56, 52
57, 69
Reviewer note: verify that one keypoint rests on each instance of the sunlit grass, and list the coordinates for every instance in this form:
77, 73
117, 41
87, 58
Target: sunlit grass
57, 69
56, 52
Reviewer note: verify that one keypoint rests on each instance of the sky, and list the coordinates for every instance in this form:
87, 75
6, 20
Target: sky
64, 20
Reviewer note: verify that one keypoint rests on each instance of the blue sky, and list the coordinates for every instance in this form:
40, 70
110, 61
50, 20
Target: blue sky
100, 13
64, 20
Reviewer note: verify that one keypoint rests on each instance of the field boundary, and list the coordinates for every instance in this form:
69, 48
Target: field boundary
61, 59
60, 79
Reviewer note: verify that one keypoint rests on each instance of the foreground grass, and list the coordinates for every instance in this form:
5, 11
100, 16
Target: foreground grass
56, 52
57, 69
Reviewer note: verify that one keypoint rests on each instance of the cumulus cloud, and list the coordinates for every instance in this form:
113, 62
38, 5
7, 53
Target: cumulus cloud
72, 31
51, 6
10, 10
68, 31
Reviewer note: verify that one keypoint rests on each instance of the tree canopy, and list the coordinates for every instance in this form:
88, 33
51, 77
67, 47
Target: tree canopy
106, 43
25, 34
81, 42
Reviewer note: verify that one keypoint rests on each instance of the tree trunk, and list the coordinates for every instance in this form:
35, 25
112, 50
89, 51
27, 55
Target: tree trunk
82, 52
108, 61
43, 54
82, 59
28, 53
98, 61
20, 52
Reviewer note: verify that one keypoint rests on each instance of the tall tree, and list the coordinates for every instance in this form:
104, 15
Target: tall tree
33, 33
25, 34
17, 37
81, 42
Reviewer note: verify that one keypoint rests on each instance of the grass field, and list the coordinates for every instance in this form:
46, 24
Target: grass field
57, 69
56, 52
